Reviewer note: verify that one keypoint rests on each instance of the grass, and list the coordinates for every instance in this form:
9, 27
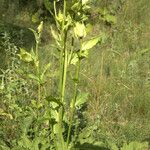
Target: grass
118, 79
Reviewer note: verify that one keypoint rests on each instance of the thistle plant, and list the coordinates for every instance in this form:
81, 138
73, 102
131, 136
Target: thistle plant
70, 28
70, 34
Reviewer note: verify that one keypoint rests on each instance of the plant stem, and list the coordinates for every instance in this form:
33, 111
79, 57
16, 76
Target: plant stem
64, 67
63, 74
75, 94
38, 74
55, 14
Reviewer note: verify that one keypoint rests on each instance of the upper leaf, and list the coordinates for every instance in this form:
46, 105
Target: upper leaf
91, 43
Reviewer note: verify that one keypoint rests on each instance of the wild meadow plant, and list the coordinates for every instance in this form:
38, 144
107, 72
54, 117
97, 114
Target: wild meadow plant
69, 33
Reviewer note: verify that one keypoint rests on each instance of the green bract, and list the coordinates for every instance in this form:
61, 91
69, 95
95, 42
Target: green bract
80, 30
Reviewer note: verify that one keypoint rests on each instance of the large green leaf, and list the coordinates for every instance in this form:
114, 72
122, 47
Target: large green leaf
54, 99
90, 44
81, 99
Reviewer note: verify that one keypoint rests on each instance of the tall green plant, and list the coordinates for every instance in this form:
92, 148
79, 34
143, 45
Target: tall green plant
70, 29
70, 36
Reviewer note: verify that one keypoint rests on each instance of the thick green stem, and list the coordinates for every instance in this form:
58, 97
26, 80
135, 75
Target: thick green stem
75, 94
64, 68
63, 73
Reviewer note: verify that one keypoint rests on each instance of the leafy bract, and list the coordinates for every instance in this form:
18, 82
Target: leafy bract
60, 16
80, 30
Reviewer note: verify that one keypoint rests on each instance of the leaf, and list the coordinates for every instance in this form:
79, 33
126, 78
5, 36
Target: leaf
56, 128
69, 22
26, 124
35, 17
35, 35
60, 16
48, 5
91, 43
110, 19
55, 34
35, 143
54, 116
55, 100
32, 76
40, 27
25, 142
81, 99
74, 59
89, 28
76, 6
25, 56
84, 54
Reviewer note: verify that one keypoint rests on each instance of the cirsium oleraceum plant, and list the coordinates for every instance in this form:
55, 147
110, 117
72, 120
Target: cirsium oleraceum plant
69, 33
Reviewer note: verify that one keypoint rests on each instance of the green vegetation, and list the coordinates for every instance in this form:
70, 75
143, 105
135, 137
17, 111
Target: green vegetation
74, 75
